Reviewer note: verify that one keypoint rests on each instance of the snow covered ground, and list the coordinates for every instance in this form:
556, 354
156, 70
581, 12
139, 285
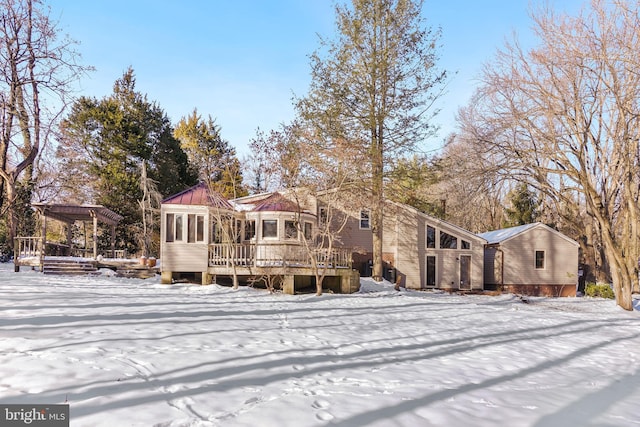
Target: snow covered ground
130, 352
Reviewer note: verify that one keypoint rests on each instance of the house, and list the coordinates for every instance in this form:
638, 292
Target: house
205, 237
531, 259
420, 251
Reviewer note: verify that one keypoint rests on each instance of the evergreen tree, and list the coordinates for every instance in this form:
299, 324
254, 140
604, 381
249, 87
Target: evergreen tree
106, 141
374, 86
524, 206
213, 157
410, 182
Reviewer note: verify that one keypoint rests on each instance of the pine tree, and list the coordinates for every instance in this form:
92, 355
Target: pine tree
524, 206
373, 86
105, 141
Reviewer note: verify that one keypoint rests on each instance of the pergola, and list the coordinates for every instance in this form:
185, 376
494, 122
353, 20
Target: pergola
69, 214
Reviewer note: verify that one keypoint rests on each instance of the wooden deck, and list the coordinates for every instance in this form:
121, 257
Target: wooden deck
62, 259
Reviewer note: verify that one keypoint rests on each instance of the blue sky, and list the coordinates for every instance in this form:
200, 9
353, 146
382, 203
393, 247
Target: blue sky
241, 61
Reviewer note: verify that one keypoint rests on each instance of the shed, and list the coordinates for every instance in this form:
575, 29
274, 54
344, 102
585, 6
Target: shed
531, 259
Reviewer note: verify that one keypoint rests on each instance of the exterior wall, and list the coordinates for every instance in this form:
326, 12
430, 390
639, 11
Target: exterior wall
492, 266
412, 252
510, 265
353, 236
180, 256
561, 259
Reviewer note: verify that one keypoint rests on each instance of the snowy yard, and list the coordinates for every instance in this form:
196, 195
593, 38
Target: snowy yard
129, 352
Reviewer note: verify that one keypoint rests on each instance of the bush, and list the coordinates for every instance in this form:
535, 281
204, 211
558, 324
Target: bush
601, 290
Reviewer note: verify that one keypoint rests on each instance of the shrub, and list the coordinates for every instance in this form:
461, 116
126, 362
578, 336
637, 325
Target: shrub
601, 290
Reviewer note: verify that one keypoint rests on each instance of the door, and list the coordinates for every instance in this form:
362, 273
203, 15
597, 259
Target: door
465, 272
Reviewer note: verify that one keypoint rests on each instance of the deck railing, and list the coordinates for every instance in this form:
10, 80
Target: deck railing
276, 255
28, 247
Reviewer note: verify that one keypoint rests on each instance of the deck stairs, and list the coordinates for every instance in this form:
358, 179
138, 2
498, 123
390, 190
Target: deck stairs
70, 267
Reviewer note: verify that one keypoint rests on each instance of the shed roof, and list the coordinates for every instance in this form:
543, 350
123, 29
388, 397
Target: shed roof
201, 195
71, 213
504, 234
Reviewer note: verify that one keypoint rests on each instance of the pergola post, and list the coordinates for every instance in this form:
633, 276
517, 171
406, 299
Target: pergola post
43, 239
95, 235
69, 226
113, 241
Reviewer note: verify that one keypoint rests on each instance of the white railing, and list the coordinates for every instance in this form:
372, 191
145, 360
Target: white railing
276, 255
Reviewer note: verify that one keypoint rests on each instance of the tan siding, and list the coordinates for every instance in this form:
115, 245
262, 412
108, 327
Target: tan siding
561, 259
353, 237
408, 262
185, 257
182, 256
412, 253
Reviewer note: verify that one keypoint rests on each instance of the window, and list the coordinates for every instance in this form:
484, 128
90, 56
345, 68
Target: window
178, 234
195, 228
173, 228
169, 231
216, 233
447, 241
364, 220
200, 228
465, 245
250, 230
431, 237
290, 230
308, 230
269, 228
322, 217
539, 260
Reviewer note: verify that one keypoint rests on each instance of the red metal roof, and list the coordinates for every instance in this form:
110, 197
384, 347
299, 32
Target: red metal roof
200, 195
276, 203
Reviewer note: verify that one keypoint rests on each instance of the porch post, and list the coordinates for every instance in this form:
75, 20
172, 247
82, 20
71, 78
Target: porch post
288, 285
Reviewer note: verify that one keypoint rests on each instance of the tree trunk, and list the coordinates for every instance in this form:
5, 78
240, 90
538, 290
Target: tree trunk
12, 220
377, 210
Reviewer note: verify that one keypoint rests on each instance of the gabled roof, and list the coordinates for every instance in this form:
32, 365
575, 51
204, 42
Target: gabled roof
504, 234
276, 203
200, 195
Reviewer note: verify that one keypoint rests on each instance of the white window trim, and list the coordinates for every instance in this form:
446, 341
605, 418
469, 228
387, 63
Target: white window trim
295, 227
277, 229
368, 211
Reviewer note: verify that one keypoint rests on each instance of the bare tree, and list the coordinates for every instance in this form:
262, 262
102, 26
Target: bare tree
150, 210
35, 66
565, 117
